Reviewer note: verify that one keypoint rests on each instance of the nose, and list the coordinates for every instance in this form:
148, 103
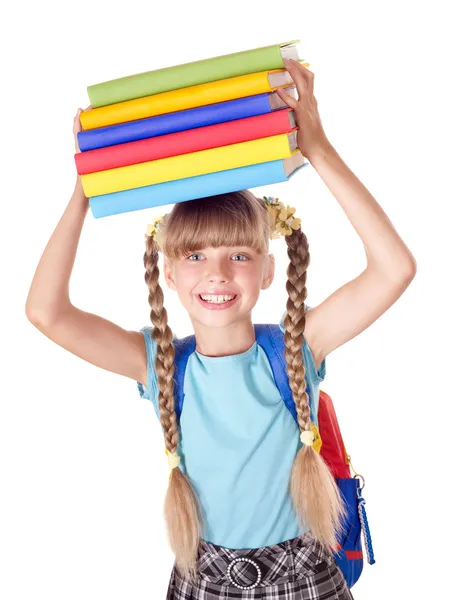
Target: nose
218, 270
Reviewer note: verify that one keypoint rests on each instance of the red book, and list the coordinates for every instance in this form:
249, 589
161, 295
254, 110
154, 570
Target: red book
185, 142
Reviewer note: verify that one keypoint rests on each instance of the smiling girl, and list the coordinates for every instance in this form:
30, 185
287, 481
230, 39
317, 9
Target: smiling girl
251, 507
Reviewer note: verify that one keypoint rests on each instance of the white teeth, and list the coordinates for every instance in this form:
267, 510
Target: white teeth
216, 299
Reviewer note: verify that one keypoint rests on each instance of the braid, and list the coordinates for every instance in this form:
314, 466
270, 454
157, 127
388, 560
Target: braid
182, 508
314, 491
165, 355
298, 252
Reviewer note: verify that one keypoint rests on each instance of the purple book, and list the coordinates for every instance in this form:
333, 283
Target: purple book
192, 118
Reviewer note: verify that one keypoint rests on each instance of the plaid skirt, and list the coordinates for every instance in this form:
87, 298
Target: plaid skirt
296, 569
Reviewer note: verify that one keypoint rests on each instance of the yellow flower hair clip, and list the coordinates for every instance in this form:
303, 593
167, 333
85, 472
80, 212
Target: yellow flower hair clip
281, 221
281, 218
153, 229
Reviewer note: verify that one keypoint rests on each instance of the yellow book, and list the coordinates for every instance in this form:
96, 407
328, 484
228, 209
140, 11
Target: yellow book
190, 165
185, 98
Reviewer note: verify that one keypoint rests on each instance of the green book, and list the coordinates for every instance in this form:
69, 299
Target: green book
193, 73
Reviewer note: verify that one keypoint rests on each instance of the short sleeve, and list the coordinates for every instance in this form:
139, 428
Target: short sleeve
317, 376
151, 391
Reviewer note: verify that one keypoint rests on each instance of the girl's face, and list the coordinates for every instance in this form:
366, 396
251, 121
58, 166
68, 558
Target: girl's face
219, 286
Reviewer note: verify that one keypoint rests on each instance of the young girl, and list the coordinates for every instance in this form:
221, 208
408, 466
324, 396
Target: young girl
252, 509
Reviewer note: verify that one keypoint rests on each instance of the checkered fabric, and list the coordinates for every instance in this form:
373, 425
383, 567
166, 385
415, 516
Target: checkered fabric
297, 569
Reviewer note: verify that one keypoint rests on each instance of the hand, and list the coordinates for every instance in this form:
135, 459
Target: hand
310, 135
77, 127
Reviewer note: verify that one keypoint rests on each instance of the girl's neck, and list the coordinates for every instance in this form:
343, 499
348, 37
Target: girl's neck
224, 341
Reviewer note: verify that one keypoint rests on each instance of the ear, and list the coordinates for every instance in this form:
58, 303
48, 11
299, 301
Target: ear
169, 274
269, 272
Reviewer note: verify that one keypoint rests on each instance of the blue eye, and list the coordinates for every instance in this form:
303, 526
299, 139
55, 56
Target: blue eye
189, 257
243, 256
195, 254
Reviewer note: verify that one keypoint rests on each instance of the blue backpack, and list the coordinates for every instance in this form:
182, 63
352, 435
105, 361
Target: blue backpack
348, 554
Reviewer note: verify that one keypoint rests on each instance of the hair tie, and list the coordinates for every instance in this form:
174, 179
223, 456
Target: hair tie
307, 438
174, 459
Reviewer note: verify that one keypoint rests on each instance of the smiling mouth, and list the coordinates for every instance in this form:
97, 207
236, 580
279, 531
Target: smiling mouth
217, 299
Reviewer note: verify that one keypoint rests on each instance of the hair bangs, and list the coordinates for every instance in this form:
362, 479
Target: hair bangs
236, 219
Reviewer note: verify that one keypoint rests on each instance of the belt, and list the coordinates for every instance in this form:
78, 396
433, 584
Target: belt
252, 570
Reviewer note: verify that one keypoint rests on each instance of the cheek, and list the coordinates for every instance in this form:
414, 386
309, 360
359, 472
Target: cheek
250, 279
186, 280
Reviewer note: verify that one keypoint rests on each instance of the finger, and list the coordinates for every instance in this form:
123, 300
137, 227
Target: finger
306, 72
289, 100
76, 118
77, 147
301, 68
299, 76
299, 79
77, 129
298, 67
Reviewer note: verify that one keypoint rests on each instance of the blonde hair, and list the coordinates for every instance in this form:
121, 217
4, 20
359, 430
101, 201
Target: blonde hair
236, 219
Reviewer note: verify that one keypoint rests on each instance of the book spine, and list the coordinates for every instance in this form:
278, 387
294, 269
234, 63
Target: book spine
185, 75
179, 121
171, 192
186, 165
184, 142
177, 100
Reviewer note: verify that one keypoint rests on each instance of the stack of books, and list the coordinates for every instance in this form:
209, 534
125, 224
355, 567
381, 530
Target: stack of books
188, 131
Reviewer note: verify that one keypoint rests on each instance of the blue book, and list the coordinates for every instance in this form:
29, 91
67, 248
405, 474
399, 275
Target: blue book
182, 120
190, 188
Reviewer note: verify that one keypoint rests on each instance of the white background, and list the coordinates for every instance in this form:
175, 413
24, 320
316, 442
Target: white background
83, 470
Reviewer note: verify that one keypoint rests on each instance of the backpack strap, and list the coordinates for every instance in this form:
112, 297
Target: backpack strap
184, 347
271, 340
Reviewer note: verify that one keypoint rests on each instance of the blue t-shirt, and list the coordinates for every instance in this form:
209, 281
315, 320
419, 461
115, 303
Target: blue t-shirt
237, 443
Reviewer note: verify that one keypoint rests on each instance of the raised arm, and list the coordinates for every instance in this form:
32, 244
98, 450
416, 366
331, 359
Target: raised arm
48, 306
390, 265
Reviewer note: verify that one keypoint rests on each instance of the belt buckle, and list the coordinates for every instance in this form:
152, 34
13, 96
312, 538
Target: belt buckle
244, 559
